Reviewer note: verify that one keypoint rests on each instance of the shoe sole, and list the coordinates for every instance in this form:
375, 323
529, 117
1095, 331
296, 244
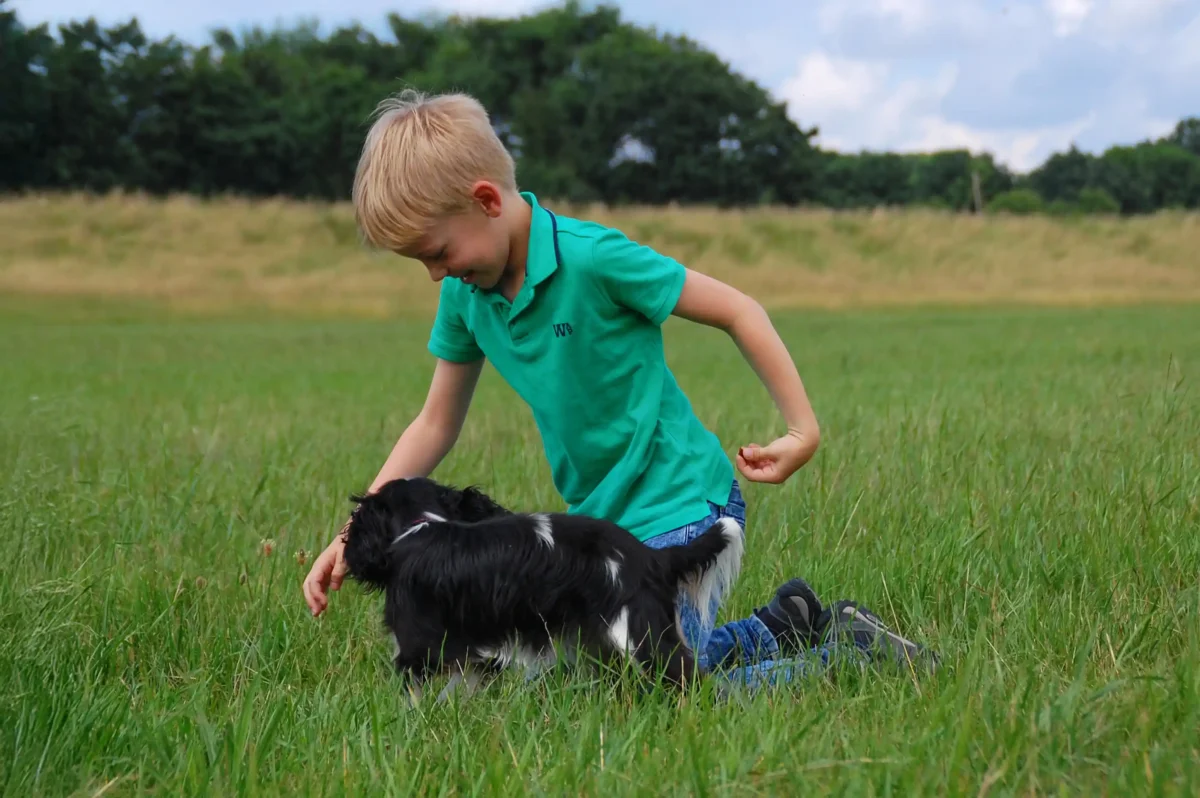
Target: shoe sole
869, 632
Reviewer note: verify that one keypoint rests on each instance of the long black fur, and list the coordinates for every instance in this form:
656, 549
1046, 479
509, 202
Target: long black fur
467, 582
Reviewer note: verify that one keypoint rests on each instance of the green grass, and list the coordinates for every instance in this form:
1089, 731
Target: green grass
1018, 488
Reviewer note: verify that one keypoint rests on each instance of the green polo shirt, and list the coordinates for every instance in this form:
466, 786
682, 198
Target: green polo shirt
582, 344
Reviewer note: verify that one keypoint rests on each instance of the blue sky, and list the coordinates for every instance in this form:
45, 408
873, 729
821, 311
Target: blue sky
1021, 79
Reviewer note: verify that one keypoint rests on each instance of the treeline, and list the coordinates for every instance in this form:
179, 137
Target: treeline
593, 108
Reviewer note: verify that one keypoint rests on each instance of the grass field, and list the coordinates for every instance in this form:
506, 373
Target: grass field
1018, 487
288, 258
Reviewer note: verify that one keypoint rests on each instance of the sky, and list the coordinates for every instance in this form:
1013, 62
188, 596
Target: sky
1021, 79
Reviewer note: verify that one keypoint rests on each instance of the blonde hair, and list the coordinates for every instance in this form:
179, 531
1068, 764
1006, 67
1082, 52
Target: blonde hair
420, 159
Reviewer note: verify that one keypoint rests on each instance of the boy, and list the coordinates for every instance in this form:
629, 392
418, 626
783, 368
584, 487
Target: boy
569, 313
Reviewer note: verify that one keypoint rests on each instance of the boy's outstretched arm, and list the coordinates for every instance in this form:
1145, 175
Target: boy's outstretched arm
426, 441
713, 303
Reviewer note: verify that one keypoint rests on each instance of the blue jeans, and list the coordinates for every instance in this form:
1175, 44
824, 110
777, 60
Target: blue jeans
743, 650
748, 639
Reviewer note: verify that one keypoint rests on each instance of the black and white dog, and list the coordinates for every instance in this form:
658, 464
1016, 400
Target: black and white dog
471, 586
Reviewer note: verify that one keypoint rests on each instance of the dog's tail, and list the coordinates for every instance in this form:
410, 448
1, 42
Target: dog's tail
707, 568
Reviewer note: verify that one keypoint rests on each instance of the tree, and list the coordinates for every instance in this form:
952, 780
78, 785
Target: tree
1149, 176
943, 178
1097, 200
1063, 175
1187, 135
25, 112
867, 179
1018, 201
591, 106
653, 120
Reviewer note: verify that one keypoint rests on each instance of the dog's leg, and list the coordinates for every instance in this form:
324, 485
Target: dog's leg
415, 693
660, 648
425, 653
466, 674
619, 646
453, 656
618, 633
414, 676
681, 667
651, 644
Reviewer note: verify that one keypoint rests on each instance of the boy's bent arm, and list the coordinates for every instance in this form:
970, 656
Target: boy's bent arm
713, 303
433, 433
424, 443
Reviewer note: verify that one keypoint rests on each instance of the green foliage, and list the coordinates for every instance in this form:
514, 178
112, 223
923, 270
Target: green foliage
1062, 176
593, 108
937, 180
1187, 135
1097, 200
1018, 201
1137, 179
1061, 207
651, 118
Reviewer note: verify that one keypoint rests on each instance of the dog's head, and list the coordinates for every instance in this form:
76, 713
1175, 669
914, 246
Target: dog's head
410, 500
384, 515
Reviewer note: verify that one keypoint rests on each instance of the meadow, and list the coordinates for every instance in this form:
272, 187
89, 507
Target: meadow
1009, 473
285, 257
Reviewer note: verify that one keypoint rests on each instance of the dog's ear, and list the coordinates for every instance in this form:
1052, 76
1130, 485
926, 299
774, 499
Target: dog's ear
475, 505
368, 545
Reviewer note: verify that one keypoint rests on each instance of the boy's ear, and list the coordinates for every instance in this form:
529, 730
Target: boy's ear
489, 197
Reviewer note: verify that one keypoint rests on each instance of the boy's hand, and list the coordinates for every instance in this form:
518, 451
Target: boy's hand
778, 461
709, 301
328, 571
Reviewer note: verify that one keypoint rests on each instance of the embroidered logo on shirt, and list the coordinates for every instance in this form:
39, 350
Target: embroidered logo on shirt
562, 330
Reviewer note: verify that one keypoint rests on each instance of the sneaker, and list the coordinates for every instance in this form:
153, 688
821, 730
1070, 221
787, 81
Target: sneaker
791, 615
847, 622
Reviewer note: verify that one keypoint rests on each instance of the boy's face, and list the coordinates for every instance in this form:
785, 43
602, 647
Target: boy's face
472, 246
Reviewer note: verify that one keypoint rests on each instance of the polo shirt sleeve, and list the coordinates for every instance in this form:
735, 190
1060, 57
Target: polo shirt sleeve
637, 277
450, 339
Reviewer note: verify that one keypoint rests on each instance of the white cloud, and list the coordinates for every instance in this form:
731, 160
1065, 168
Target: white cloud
911, 15
1022, 149
491, 8
193, 21
824, 85
1140, 26
1068, 15
1139, 12
859, 104
905, 28
1020, 80
1185, 47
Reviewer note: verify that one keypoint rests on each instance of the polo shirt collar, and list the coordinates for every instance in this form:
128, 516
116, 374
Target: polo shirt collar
541, 257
